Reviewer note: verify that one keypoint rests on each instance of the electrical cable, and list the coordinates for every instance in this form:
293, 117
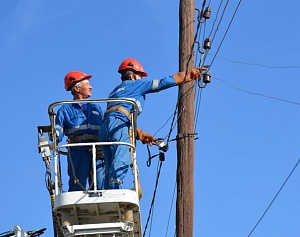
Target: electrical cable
190, 57
171, 209
197, 109
225, 33
187, 65
214, 22
206, 52
258, 64
153, 197
184, 98
258, 94
265, 212
223, 13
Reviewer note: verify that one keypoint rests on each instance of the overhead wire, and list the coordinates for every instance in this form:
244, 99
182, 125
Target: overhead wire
186, 96
197, 109
258, 64
234, 14
214, 22
258, 94
263, 95
190, 56
273, 200
150, 213
252, 93
202, 63
223, 13
165, 124
173, 196
188, 61
198, 30
198, 93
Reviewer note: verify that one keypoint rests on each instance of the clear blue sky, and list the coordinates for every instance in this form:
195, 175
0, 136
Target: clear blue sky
247, 143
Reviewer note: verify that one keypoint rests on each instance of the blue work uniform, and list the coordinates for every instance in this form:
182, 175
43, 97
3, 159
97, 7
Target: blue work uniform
116, 125
78, 120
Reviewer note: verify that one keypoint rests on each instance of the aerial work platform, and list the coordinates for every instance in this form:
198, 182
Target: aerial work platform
99, 213
91, 212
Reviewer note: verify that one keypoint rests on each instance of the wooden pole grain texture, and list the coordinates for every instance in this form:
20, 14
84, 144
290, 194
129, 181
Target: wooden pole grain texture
185, 137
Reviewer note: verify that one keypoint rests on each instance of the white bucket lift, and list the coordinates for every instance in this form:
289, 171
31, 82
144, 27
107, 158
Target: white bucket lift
91, 213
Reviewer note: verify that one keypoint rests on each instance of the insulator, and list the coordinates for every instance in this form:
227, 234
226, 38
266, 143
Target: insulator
206, 45
206, 14
161, 145
206, 77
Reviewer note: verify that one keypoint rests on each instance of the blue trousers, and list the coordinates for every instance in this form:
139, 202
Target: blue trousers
81, 165
117, 157
100, 172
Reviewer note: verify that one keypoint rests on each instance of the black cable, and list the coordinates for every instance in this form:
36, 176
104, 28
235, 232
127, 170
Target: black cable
258, 94
187, 65
213, 25
153, 198
212, 40
171, 209
187, 94
258, 64
225, 33
197, 109
265, 212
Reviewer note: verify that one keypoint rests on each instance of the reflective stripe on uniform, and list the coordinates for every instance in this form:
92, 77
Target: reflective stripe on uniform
82, 127
155, 84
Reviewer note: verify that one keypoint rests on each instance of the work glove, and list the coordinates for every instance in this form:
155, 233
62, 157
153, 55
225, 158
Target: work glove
145, 138
192, 75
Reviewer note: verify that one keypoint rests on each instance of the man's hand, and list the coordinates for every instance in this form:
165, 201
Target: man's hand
194, 74
145, 138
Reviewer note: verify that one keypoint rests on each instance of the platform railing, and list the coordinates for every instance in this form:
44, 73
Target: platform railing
61, 149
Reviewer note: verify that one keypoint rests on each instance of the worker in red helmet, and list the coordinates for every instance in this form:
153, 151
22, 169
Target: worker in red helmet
116, 124
80, 122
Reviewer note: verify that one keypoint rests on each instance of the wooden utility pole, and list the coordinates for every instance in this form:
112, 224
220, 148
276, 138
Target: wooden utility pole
185, 138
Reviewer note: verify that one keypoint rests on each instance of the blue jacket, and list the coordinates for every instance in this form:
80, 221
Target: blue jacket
137, 90
76, 119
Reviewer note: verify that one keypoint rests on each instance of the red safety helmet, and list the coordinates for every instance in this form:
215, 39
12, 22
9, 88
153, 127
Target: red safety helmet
73, 77
130, 63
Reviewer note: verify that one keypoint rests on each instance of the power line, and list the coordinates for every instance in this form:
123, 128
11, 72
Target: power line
265, 212
198, 104
215, 55
257, 64
187, 93
173, 196
213, 26
153, 198
258, 94
226, 32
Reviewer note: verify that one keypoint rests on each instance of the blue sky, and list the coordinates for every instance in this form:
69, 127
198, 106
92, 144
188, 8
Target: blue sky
248, 129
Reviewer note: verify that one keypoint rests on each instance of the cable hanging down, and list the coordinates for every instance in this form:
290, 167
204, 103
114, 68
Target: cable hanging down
203, 15
163, 147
